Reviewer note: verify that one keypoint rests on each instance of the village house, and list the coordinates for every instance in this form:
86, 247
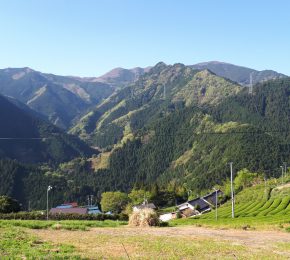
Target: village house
193, 207
73, 208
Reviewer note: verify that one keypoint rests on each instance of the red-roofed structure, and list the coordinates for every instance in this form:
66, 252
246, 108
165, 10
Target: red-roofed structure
68, 211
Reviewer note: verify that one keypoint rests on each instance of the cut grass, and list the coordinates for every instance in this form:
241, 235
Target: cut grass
17, 244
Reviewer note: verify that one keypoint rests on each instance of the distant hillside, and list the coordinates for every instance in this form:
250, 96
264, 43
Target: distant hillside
120, 77
172, 144
60, 99
18, 131
163, 89
238, 74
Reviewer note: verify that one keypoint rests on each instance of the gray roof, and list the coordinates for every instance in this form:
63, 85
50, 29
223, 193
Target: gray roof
202, 204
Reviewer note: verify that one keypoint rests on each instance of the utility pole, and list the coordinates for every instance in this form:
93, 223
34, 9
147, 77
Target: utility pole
282, 173
48, 189
285, 169
216, 203
232, 191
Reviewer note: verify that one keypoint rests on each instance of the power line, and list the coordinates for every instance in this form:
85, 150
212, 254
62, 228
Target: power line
25, 138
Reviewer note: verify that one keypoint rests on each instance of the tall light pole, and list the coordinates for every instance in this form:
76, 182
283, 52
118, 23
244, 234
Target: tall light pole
232, 190
48, 189
216, 202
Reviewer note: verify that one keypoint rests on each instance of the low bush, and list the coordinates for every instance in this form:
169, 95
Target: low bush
62, 216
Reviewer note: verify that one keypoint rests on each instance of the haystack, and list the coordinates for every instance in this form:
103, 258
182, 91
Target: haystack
144, 218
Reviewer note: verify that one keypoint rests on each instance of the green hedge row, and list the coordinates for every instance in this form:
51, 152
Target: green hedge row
62, 216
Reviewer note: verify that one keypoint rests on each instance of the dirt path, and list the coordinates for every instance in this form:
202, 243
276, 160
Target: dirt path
249, 238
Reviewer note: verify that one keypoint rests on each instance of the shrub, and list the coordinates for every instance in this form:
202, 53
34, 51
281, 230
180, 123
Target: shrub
8, 205
144, 218
62, 216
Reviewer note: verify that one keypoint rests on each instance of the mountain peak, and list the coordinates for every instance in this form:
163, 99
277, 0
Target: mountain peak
236, 73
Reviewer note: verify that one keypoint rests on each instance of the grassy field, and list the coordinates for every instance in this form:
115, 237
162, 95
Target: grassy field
27, 239
137, 243
16, 243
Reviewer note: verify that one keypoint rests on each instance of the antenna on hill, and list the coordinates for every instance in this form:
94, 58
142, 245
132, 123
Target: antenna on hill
251, 84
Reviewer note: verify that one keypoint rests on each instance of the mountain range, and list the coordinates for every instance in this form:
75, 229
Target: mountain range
60, 99
173, 126
63, 100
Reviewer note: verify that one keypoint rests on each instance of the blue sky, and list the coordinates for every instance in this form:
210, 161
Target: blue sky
90, 37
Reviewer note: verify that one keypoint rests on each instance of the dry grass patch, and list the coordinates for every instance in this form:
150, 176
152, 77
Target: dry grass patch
170, 243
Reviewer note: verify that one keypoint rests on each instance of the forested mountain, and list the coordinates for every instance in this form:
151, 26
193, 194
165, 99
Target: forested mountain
60, 99
163, 89
238, 74
192, 145
27, 138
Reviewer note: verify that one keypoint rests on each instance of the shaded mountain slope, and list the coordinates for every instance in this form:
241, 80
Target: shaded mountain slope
19, 132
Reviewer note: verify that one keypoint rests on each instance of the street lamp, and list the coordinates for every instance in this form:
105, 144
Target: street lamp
48, 189
216, 202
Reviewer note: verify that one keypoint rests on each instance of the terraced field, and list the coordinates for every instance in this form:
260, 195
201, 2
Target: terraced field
264, 206
258, 201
